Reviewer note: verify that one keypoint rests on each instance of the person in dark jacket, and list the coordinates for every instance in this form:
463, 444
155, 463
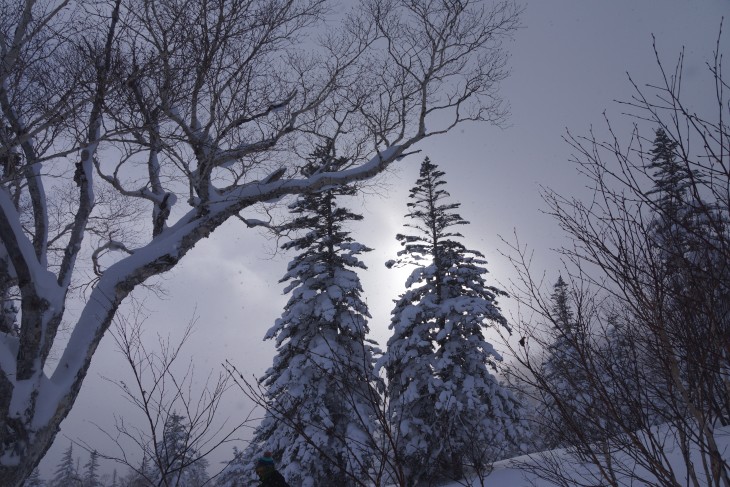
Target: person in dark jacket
267, 472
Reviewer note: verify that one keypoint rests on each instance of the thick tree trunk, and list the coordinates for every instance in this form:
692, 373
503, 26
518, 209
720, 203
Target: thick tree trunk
33, 450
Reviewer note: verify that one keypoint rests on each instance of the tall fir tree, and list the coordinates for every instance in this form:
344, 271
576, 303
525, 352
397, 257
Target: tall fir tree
669, 238
450, 410
691, 236
324, 368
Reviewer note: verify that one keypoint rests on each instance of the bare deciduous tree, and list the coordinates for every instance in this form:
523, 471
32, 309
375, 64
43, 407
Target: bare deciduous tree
649, 285
162, 391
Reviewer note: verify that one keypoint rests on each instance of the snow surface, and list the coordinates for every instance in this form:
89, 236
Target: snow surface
513, 473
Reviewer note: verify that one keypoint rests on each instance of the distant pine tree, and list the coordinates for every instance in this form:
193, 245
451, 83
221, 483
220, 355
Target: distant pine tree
66, 473
562, 369
115, 479
561, 362
671, 178
323, 369
91, 474
449, 408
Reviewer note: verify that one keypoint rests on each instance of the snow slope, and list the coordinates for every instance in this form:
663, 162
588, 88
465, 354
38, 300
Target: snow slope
512, 473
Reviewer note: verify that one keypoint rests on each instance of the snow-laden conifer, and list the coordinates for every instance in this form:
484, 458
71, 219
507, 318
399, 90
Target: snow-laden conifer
450, 409
320, 410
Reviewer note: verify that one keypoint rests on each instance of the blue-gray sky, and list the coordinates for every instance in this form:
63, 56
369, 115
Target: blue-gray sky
569, 62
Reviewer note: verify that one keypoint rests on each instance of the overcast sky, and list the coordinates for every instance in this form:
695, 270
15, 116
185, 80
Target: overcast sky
569, 62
